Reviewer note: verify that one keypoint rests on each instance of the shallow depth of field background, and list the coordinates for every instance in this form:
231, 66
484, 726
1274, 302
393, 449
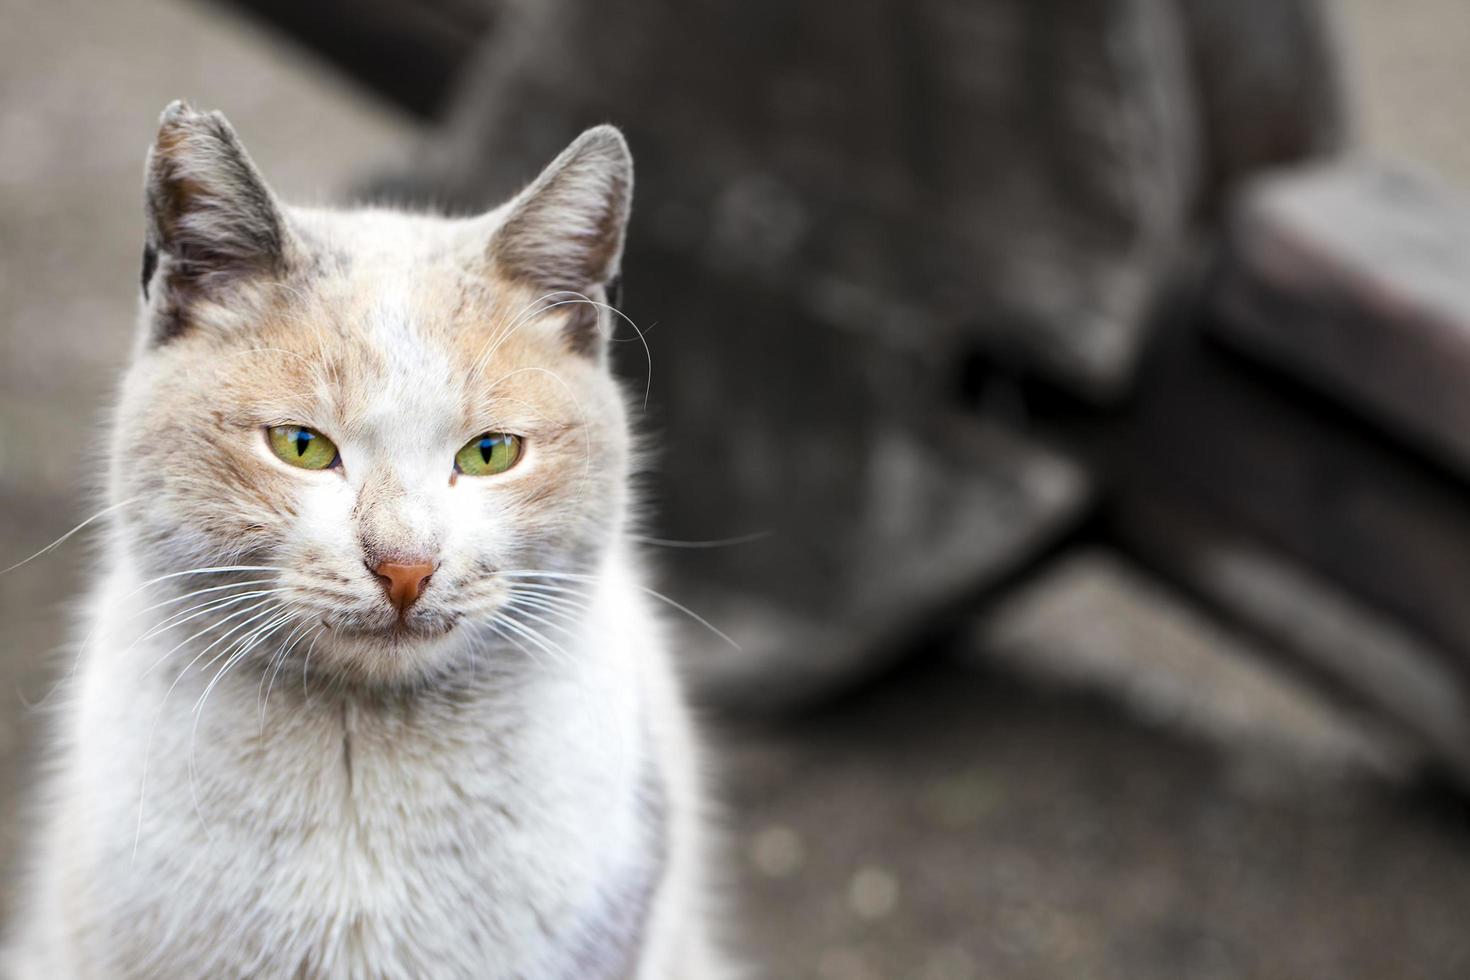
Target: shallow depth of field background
1086, 774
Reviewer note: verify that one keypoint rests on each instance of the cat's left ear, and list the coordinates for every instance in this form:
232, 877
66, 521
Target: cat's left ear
213, 224
564, 233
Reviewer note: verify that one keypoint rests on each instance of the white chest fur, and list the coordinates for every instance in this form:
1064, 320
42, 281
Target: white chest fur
515, 825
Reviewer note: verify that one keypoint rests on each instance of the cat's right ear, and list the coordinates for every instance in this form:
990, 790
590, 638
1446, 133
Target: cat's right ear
213, 224
564, 233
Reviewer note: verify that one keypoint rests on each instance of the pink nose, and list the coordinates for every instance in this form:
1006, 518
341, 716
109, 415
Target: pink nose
404, 581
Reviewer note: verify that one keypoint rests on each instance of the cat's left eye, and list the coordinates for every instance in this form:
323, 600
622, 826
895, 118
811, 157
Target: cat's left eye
488, 454
300, 446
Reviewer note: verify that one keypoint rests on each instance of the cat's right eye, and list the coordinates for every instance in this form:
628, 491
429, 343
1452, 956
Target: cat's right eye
303, 447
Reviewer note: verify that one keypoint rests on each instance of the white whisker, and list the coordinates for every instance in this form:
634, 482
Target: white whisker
162, 704
67, 536
577, 577
211, 627
494, 626
716, 543
277, 661
203, 609
521, 629
526, 612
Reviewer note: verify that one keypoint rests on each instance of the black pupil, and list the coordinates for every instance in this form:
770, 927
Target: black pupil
303, 439
487, 447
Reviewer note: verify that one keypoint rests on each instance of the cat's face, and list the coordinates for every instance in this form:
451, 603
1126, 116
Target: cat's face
395, 417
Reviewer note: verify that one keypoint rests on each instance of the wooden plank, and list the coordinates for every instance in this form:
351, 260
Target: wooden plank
1308, 481
1094, 621
1356, 278
1368, 659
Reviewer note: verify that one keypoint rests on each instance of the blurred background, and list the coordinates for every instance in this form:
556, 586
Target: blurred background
1083, 391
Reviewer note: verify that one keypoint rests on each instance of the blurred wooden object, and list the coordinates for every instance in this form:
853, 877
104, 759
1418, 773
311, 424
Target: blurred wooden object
1304, 473
1354, 277
1295, 450
1095, 621
1353, 653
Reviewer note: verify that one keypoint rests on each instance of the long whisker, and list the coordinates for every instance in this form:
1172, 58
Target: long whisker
494, 626
558, 604
86, 640
575, 599
526, 612
647, 351
242, 645
299, 633
529, 312
158, 715
209, 570
203, 609
198, 592
211, 627
239, 651
306, 662
716, 543
576, 577
578, 299
67, 536
254, 639
521, 629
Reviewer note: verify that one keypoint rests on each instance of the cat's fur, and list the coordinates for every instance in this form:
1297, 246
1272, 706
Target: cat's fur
351, 799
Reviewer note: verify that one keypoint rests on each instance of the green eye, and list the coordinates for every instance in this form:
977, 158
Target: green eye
302, 447
489, 454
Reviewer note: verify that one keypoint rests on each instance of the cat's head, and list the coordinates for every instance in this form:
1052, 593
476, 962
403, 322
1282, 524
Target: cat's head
393, 416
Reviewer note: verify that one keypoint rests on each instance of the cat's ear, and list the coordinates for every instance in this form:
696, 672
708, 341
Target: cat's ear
212, 221
564, 233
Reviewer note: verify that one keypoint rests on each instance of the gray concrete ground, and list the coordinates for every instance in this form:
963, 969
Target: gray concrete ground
957, 822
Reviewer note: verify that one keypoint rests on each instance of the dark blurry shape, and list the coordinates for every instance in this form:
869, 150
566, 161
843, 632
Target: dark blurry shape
925, 176
410, 52
912, 532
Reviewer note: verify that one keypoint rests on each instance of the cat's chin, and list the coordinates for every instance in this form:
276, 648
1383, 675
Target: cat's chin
394, 654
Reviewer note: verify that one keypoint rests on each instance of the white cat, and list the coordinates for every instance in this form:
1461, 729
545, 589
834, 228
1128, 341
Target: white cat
369, 685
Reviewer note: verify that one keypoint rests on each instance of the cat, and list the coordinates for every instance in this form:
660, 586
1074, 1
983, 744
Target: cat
369, 685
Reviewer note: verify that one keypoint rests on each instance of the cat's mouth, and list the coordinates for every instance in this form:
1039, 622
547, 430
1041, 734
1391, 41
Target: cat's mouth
398, 631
